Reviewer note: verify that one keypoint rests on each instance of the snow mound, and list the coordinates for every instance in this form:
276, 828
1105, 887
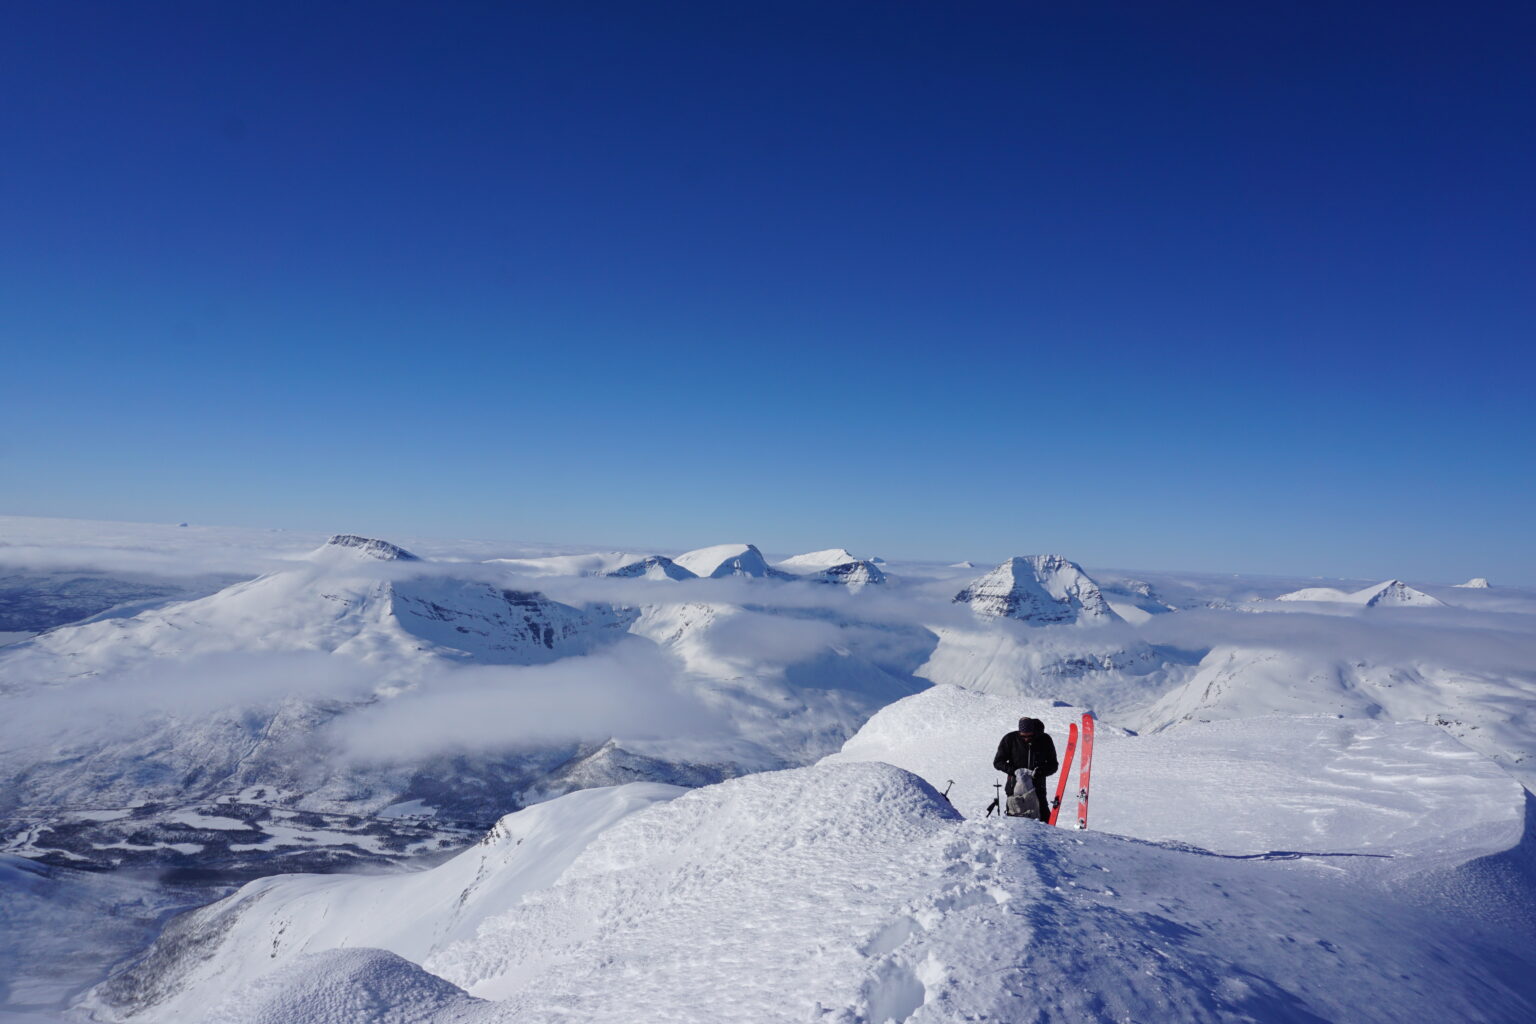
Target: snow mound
853, 575
345, 986
1475, 583
967, 564
761, 871
653, 567
1040, 590
815, 561
725, 560
343, 544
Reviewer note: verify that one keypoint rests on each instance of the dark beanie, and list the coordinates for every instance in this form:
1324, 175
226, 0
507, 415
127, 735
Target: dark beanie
1029, 725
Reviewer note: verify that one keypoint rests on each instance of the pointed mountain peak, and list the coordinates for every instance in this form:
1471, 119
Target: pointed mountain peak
1395, 592
365, 547
1475, 583
1038, 589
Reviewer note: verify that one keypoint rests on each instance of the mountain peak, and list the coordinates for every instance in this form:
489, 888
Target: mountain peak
652, 567
726, 560
854, 575
816, 561
367, 547
1475, 583
1395, 592
1038, 589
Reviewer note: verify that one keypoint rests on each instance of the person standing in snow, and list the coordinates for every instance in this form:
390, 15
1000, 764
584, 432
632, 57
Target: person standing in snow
1029, 754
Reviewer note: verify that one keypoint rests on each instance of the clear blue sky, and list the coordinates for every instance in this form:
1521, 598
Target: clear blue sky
1220, 286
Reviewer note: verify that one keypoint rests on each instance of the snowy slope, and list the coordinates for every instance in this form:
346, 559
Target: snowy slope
1491, 712
413, 915
1238, 787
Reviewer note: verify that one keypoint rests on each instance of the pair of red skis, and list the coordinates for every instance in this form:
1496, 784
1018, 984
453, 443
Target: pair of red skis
1082, 772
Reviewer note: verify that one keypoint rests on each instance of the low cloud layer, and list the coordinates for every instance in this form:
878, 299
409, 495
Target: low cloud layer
632, 690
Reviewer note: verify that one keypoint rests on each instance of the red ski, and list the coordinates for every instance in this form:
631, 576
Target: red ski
1066, 768
1083, 769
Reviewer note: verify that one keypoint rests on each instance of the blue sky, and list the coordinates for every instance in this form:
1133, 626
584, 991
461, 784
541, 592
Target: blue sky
1231, 287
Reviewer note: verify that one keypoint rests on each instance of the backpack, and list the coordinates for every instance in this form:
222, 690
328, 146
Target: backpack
1025, 802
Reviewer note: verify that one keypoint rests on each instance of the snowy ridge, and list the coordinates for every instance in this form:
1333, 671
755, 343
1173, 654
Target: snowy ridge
1475, 583
856, 892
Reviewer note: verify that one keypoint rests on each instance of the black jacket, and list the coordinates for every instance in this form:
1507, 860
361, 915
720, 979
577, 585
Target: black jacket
1037, 753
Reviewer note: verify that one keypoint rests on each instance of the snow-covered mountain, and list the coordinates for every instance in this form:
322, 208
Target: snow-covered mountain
853, 575
1040, 590
652, 567
853, 890
1475, 583
1390, 593
339, 646
1134, 600
727, 560
816, 561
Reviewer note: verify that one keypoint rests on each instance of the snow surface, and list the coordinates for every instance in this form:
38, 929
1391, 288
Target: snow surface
1475, 583
1282, 782
855, 892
